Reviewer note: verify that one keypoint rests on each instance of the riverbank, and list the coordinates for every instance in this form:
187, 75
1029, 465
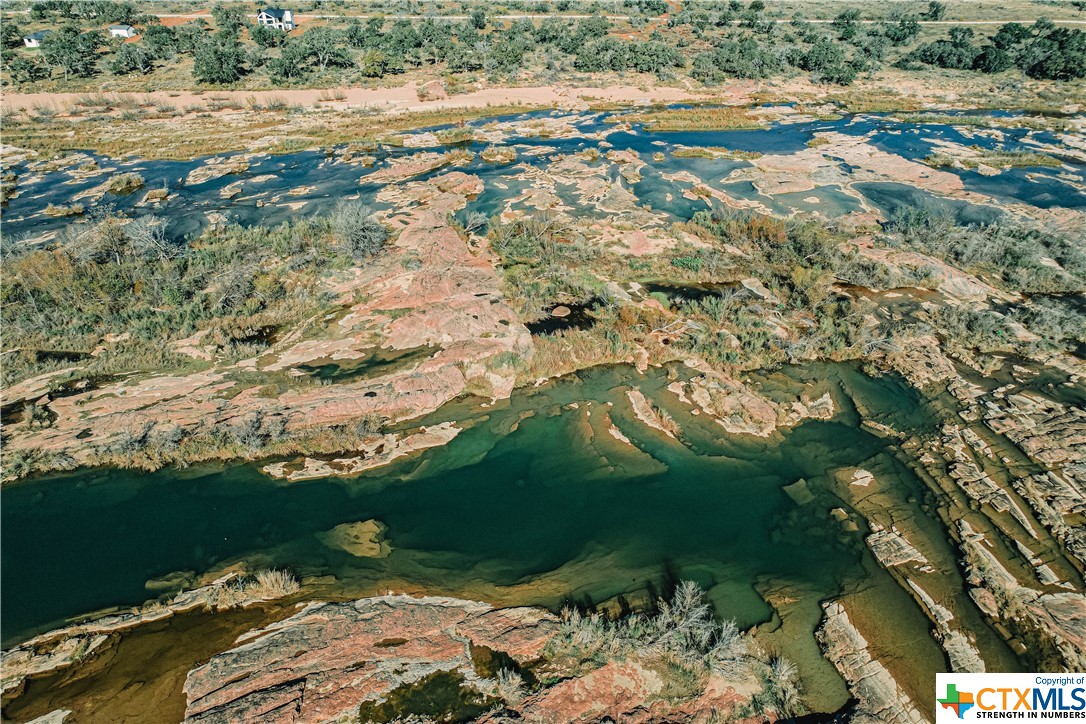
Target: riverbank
186, 124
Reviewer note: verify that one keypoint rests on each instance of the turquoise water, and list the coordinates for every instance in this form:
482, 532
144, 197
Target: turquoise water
495, 506
558, 502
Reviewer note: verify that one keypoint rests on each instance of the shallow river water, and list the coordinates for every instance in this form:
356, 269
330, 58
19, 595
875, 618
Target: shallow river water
536, 502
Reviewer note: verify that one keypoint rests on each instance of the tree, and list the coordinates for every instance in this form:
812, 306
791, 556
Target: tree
364, 36
218, 60
826, 60
191, 35
1010, 35
847, 24
958, 52
266, 37
322, 44
704, 69
73, 51
654, 57
961, 36
10, 37
478, 18
229, 19
993, 59
27, 70
291, 62
903, 30
373, 63
747, 58
131, 58
401, 38
936, 11
1059, 55
160, 41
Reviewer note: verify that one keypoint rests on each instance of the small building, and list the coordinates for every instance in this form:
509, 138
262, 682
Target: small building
276, 18
122, 31
34, 39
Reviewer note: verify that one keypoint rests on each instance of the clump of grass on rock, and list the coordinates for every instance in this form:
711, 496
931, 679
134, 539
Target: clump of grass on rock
353, 224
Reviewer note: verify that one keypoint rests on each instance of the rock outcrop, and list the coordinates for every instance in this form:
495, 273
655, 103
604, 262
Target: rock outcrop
329, 658
430, 291
69, 646
880, 697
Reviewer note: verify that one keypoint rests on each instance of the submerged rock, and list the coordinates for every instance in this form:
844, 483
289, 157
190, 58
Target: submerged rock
365, 539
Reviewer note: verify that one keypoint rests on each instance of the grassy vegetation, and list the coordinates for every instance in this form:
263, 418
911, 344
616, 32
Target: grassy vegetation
993, 158
124, 289
263, 585
973, 120
695, 119
124, 183
157, 445
715, 152
455, 136
544, 263
683, 643
498, 154
62, 210
1012, 256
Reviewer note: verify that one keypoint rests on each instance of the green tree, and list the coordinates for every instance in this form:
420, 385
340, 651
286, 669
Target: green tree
401, 38
373, 63
191, 35
478, 18
364, 36
266, 37
27, 70
292, 61
160, 41
847, 24
1059, 55
10, 37
322, 45
904, 29
72, 51
218, 60
993, 60
1011, 35
229, 19
827, 62
936, 11
131, 58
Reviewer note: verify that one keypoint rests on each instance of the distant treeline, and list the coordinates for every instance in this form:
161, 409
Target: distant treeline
711, 42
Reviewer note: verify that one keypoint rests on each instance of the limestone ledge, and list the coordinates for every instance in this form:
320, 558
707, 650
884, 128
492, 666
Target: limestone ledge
880, 698
376, 453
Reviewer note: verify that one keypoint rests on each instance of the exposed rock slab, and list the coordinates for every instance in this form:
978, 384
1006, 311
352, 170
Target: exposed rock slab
323, 662
880, 697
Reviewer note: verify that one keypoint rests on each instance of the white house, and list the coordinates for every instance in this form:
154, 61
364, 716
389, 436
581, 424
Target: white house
122, 31
276, 18
34, 39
